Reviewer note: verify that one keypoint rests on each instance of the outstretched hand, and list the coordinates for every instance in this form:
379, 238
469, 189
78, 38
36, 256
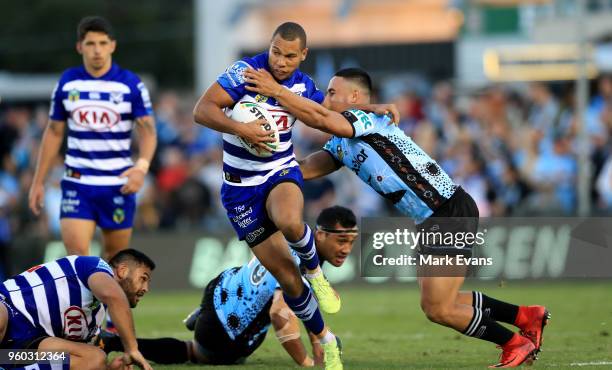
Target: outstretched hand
387, 110
262, 82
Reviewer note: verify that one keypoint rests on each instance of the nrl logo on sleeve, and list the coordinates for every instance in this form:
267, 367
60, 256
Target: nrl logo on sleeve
103, 265
235, 73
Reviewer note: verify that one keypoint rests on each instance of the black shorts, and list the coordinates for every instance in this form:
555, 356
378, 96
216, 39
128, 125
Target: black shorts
458, 215
213, 340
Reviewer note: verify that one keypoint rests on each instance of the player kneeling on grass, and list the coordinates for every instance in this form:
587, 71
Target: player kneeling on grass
60, 306
240, 304
399, 170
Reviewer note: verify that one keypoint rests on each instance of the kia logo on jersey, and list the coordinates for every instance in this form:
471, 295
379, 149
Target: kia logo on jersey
75, 324
96, 117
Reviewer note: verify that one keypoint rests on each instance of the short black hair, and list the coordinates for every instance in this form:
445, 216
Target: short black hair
329, 217
290, 31
132, 255
357, 75
94, 24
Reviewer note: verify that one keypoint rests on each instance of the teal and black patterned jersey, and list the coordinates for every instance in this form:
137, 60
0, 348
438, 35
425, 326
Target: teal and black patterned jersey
241, 294
392, 164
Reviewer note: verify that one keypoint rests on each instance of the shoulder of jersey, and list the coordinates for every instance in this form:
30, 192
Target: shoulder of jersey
71, 73
256, 61
127, 76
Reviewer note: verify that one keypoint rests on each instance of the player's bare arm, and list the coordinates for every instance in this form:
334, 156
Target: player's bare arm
209, 112
287, 328
317, 164
49, 149
108, 291
307, 111
145, 126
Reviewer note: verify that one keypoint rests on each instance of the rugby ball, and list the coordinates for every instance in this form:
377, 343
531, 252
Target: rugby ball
246, 111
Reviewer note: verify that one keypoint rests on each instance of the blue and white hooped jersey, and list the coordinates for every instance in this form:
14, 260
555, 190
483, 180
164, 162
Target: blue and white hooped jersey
242, 293
100, 114
392, 164
254, 170
56, 297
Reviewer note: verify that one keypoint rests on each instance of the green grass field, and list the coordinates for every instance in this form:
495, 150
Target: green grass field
383, 328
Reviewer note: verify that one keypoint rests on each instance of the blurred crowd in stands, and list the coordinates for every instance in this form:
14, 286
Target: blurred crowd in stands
513, 148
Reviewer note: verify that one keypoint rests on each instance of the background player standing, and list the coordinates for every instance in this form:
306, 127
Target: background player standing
99, 101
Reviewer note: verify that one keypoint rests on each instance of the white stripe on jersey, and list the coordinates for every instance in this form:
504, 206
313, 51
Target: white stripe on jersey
106, 164
98, 180
245, 164
232, 139
40, 298
87, 145
17, 299
55, 270
96, 86
122, 126
258, 180
64, 299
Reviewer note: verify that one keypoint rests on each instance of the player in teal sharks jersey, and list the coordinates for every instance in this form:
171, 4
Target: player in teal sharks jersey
398, 169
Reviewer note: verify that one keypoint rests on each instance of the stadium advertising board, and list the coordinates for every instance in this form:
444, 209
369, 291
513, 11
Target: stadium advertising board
511, 248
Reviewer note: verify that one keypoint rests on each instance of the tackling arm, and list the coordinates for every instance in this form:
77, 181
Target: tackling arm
317, 164
306, 110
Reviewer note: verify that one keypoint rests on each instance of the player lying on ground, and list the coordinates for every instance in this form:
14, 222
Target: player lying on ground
99, 103
239, 305
393, 165
59, 306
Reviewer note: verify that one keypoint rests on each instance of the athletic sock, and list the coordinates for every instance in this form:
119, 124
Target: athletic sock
160, 350
306, 309
164, 350
305, 249
496, 310
328, 337
485, 328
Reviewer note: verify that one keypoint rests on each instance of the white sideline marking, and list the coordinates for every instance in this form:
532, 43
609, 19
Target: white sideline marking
592, 363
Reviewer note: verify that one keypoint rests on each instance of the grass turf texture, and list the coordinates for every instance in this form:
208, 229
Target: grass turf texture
382, 327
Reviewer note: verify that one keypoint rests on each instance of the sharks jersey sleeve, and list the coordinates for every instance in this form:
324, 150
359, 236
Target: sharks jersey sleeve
333, 146
365, 123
